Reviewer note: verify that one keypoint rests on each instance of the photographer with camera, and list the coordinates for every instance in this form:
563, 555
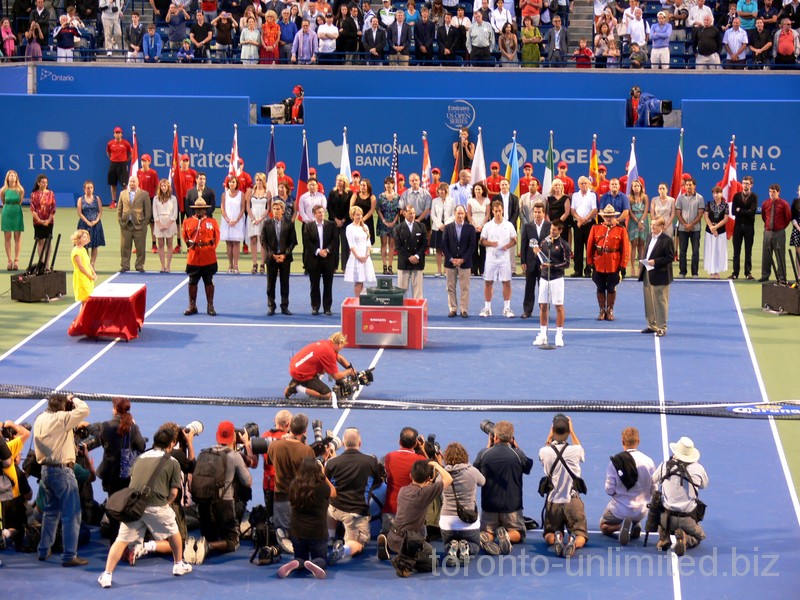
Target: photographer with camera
323, 356
122, 442
214, 492
354, 475
283, 419
679, 480
285, 455
459, 521
14, 488
503, 464
54, 442
562, 484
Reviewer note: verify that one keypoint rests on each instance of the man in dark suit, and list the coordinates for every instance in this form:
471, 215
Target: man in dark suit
399, 36
449, 38
655, 281
349, 34
459, 246
411, 243
279, 239
557, 44
534, 231
201, 191
511, 211
320, 245
424, 36
374, 42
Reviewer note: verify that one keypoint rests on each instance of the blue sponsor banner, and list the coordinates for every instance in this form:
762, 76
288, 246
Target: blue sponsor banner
14, 79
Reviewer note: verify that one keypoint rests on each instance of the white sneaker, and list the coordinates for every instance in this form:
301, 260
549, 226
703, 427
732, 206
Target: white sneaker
284, 542
486, 312
181, 568
136, 553
200, 551
189, 554
104, 580
507, 313
540, 340
559, 340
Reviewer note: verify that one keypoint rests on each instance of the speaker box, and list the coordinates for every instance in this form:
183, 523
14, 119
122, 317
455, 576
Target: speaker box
781, 298
38, 288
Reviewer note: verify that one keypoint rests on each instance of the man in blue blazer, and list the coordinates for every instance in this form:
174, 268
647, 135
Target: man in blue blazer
459, 246
656, 278
399, 35
411, 243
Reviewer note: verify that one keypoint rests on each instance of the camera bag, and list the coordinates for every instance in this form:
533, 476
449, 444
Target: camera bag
128, 504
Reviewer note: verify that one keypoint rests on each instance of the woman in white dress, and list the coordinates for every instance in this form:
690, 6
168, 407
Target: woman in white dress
359, 267
232, 230
257, 211
477, 214
715, 250
165, 215
442, 213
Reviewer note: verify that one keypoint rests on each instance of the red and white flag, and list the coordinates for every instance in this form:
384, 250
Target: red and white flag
479, 161
730, 186
233, 164
174, 176
135, 156
426, 162
676, 186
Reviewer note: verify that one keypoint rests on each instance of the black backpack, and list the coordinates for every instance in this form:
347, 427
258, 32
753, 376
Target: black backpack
208, 477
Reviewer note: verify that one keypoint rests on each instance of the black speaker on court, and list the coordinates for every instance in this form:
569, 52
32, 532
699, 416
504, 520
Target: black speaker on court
38, 288
781, 298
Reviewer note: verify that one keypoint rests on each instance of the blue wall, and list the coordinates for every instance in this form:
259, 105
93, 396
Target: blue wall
14, 79
71, 130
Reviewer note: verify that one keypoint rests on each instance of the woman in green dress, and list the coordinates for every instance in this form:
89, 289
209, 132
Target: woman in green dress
11, 195
531, 38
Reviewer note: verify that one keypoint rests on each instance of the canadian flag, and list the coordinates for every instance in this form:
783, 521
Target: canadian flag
730, 186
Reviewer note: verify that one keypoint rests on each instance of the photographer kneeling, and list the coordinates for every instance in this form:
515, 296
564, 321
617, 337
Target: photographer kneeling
323, 356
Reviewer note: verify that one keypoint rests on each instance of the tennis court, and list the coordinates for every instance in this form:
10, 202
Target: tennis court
608, 376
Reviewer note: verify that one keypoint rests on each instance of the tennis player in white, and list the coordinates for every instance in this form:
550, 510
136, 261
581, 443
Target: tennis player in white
500, 238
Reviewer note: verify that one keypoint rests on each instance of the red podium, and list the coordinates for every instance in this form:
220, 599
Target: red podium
113, 310
403, 326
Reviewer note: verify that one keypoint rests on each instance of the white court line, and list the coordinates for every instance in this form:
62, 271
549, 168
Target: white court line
346, 411
787, 474
97, 356
45, 326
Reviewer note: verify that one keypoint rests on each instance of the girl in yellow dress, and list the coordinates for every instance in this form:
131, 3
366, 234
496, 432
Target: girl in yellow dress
83, 275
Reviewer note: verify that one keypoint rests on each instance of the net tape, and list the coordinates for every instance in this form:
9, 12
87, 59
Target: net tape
788, 409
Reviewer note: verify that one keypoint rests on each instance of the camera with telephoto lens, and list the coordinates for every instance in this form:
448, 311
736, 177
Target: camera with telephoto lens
195, 428
350, 384
324, 442
251, 429
84, 439
487, 427
10, 433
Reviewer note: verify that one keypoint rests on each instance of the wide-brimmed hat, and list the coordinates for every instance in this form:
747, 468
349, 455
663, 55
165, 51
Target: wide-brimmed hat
609, 211
685, 451
200, 204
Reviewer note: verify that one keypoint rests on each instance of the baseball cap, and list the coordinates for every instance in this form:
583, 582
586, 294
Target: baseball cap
526, 165
563, 165
602, 168
494, 164
117, 129
185, 157
225, 432
436, 170
280, 164
355, 174
311, 170
147, 157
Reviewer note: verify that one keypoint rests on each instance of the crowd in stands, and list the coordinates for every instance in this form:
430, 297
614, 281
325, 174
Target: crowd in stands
325, 497
756, 34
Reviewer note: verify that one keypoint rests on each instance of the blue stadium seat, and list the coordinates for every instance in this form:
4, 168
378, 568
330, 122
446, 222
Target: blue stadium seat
677, 62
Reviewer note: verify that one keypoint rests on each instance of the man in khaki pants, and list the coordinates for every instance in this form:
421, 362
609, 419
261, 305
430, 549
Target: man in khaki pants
133, 214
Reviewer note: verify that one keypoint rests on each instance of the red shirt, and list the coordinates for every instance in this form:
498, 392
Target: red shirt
287, 181
269, 468
205, 235
316, 358
783, 214
493, 184
43, 205
569, 184
603, 188
398, 474
188, 179
148, 181
433, 188
525, 184
119, 151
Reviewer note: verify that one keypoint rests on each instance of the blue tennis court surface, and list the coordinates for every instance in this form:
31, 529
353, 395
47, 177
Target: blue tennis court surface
752, 521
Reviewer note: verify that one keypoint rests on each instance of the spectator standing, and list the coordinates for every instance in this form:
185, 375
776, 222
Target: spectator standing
133, 214
200, 34
134, 33
111, 16
165, 216
660, 34
707, 45
786, 44
152, 45
305, 45
776, 214
735, 42
583, 207
689, 208
760, 43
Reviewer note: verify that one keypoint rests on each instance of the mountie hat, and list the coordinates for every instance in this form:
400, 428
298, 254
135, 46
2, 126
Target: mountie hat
200, 204
225, 432
685, 451
609, 211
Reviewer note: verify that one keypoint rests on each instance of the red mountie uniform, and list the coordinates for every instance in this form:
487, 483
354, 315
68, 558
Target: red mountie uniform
608, 248
188, 180
493, 184
398, 474
525, 184
119, 151
205, 235
569, 184
148, 181
315, 359
287, 181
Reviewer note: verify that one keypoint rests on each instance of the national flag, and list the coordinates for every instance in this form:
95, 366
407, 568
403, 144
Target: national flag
549, 168
234, 170
394, 169
594, 165
730, 186
135, 156
272, 169
174, 177
512, 168
676, 187
344, 165
426, 162
302, 177
478, 161
633, 169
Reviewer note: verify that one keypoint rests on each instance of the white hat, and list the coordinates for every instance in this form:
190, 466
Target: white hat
685, 451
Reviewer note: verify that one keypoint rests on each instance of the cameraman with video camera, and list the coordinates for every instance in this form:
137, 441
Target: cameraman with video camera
352, 473
213, 491
55, 451
323, 356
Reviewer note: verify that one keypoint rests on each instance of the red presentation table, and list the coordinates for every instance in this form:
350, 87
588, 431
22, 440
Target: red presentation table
113, 310
386, 326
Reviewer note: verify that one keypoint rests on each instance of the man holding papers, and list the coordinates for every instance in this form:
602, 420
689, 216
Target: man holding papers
656, 277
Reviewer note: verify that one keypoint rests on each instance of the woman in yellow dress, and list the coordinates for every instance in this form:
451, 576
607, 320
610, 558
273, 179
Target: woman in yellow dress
83, 275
